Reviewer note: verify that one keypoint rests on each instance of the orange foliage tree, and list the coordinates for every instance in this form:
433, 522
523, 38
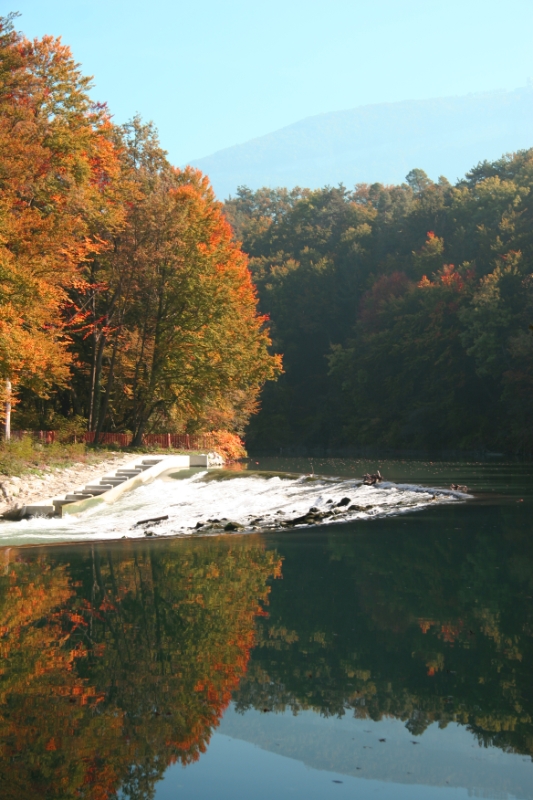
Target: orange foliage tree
121, 287
178, 341
57, 169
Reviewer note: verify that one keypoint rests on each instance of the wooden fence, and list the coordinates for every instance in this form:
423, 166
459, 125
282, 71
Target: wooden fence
177, 441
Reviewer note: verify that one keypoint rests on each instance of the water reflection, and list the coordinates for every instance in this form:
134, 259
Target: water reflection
427, 623
117, 662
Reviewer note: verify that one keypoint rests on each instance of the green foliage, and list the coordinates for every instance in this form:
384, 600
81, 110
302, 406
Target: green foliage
14, 454
402, 311
28, 455
70, 429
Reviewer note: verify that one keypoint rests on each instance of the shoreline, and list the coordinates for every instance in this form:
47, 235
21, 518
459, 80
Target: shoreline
122, 540
18, 491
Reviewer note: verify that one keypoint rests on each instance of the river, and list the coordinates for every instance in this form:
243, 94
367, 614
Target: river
384, 654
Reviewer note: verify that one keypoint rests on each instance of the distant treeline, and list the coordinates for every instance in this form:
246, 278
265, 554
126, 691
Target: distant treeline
402, 312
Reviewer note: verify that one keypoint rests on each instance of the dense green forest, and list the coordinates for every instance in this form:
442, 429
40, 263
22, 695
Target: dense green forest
402, 312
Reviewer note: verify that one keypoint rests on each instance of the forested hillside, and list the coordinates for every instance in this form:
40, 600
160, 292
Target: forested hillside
402, 312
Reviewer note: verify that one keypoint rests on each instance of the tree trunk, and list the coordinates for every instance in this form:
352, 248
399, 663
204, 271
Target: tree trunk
138, 435
93, 368
138, 363
110, 380
7, 426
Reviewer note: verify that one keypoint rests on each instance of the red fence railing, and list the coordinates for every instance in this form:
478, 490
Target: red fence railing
177, 441
121, 439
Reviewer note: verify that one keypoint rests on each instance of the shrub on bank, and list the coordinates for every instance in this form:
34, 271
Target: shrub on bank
26, 455
229, 445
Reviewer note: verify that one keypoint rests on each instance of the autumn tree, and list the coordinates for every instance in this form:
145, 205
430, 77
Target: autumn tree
57, 164
122, 293
180, 338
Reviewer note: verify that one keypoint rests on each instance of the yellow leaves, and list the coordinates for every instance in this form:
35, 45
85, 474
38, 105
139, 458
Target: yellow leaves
319, 637
498, 725
212, 572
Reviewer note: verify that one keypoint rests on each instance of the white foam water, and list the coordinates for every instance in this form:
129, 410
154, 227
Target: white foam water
212, 499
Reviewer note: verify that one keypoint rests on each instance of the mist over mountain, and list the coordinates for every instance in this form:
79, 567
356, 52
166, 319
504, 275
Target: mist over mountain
379, 143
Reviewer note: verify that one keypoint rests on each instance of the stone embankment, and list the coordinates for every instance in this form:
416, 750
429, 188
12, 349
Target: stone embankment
16, 492
19, 491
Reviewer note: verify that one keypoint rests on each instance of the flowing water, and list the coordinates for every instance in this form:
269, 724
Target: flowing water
384, 653
195, 501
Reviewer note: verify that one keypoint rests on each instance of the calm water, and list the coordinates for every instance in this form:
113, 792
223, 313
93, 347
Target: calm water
379, 658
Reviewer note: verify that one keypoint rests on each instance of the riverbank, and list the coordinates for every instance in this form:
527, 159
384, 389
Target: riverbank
48, 481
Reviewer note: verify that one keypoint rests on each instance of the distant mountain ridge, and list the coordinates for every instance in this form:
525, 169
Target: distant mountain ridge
443, 136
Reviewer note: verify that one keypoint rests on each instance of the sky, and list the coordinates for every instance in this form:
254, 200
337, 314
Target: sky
213, 74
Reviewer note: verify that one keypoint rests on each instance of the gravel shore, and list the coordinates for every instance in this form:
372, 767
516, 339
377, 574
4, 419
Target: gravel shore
51, 482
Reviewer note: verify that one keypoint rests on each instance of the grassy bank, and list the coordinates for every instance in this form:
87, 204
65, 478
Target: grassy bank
26, 455
18, 457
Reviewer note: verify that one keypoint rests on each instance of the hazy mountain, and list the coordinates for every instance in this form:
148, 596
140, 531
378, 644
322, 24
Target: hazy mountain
444, 136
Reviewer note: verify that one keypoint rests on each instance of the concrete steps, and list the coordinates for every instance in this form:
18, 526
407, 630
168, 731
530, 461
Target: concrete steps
111, 486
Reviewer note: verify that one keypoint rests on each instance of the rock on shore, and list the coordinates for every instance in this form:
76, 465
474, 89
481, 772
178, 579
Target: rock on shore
215, 459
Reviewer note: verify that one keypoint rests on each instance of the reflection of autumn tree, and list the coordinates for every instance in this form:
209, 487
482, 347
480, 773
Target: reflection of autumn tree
43, 701
115, 666
429, 626
177, 634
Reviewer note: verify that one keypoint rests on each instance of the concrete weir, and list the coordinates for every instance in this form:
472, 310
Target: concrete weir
110, 487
